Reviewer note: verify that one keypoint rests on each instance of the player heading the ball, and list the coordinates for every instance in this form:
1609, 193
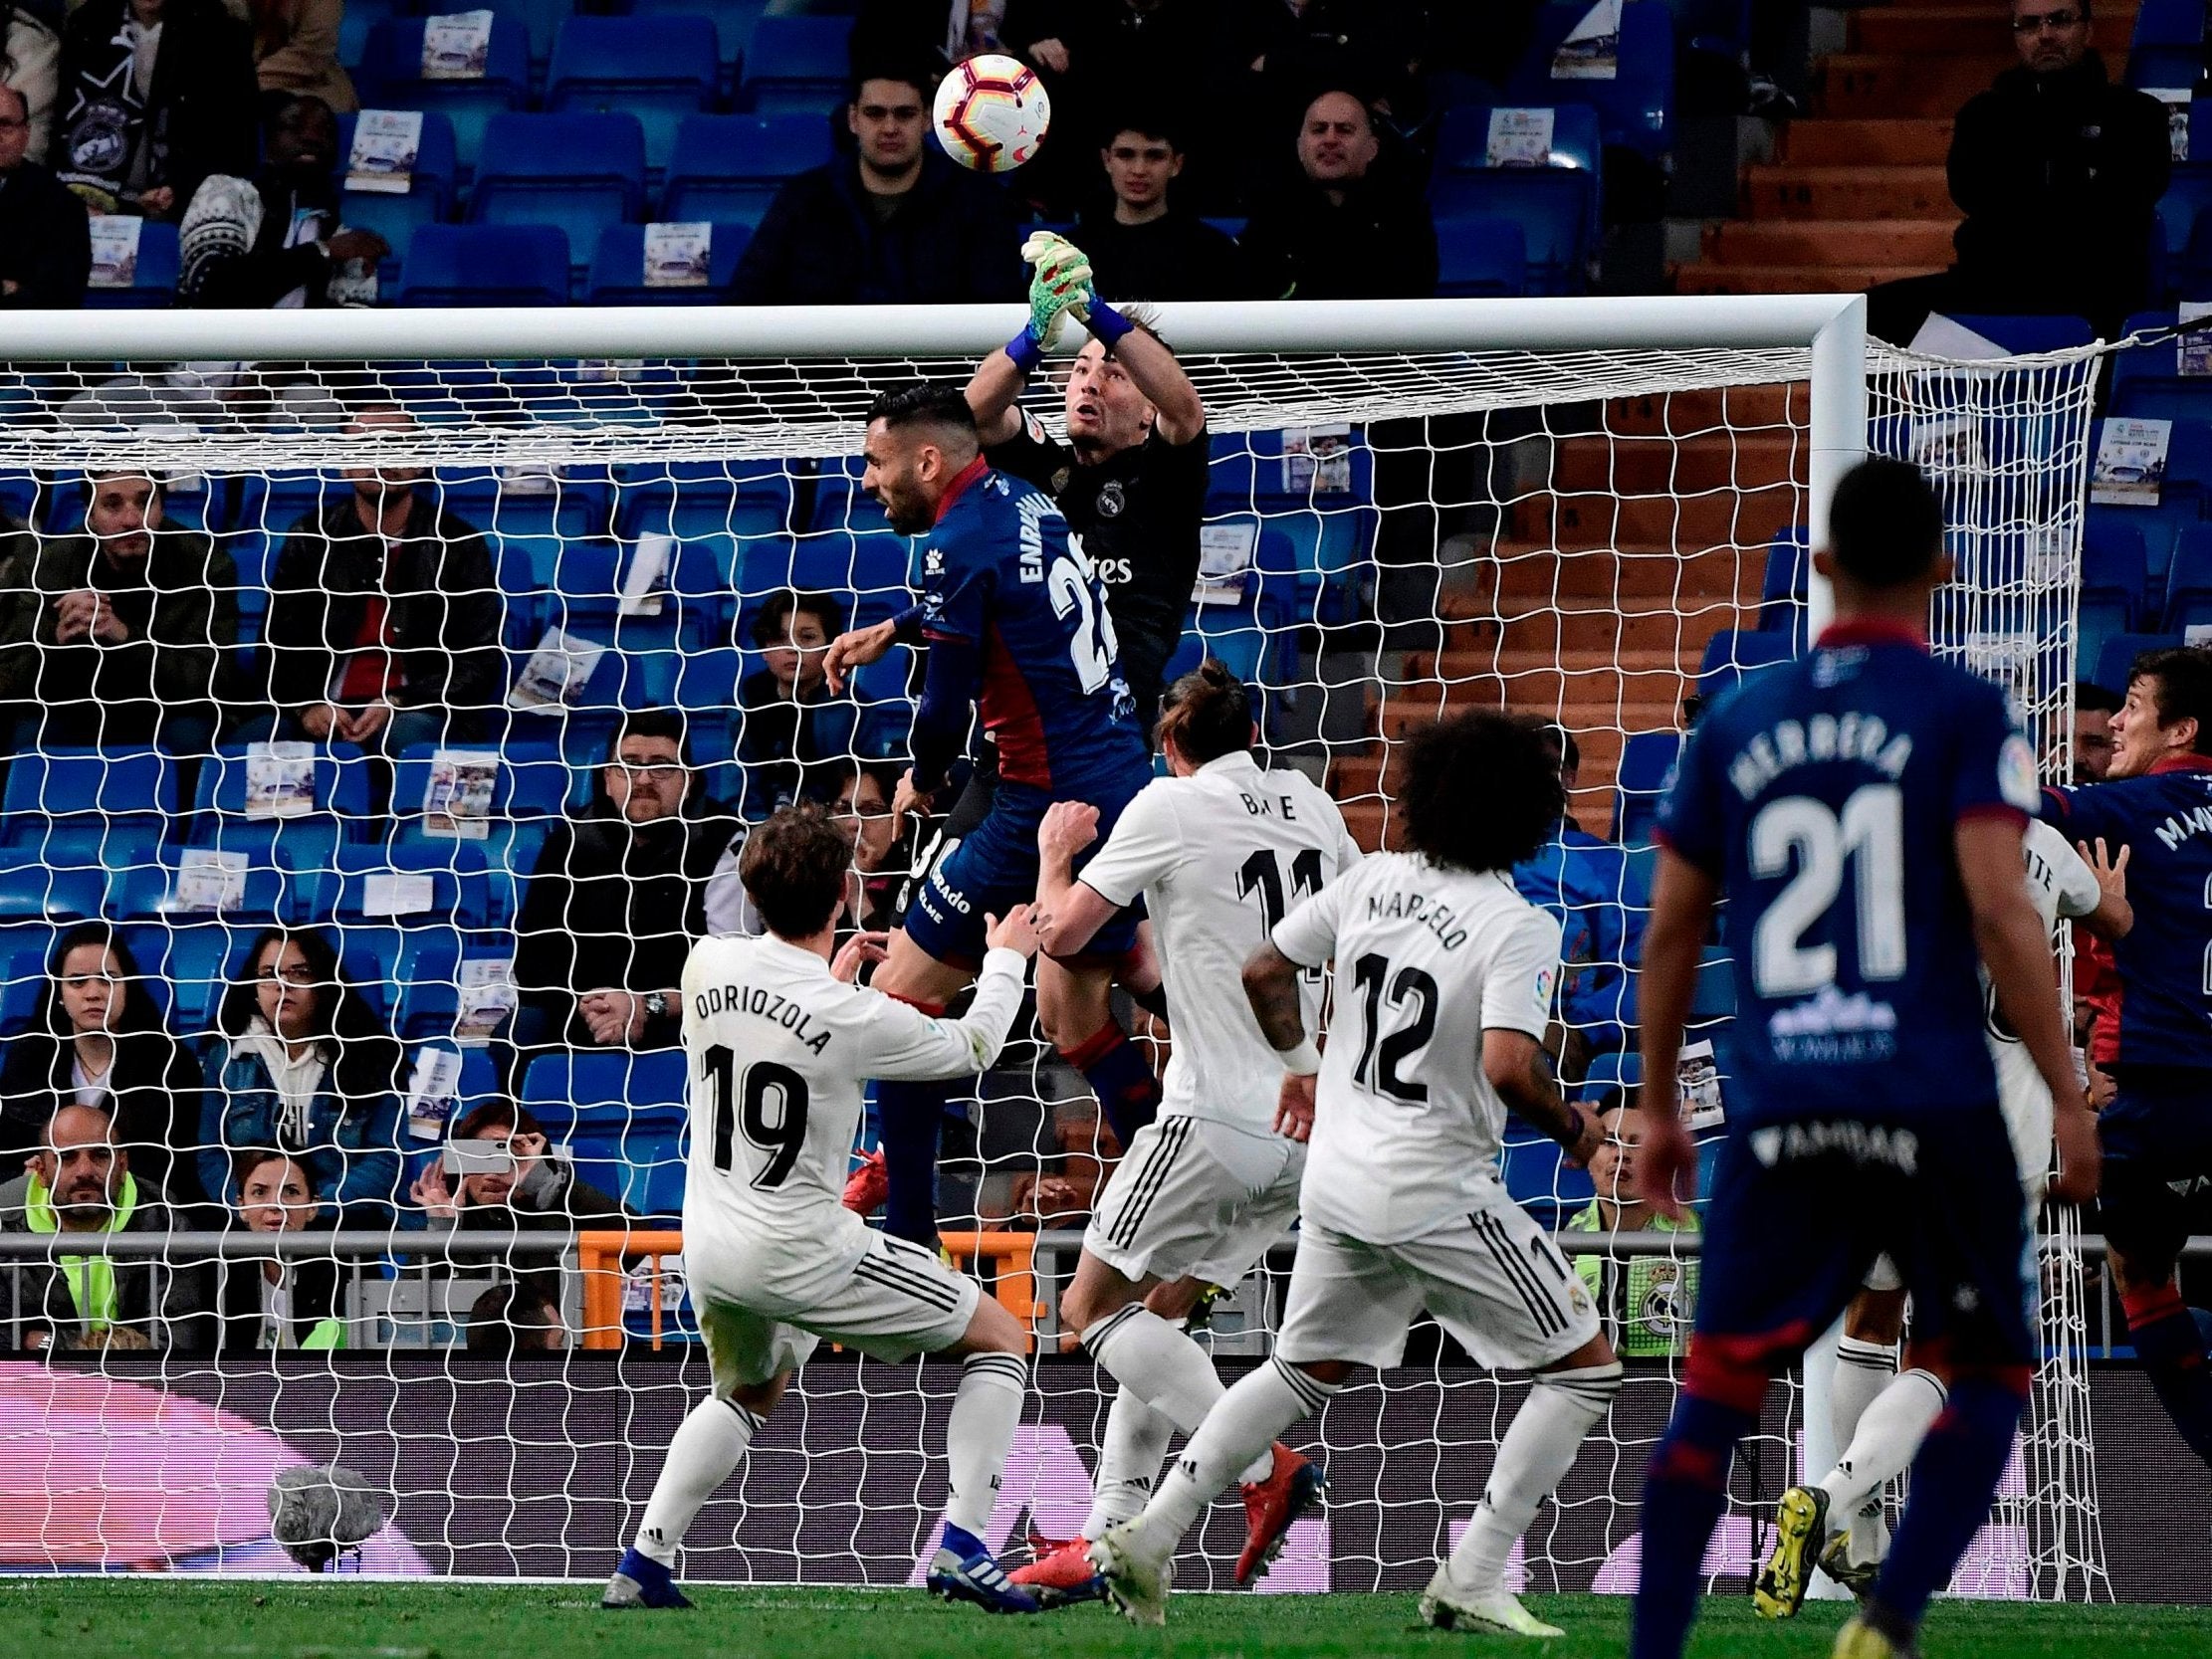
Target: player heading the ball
1445, 976
780, 1043
1861, 809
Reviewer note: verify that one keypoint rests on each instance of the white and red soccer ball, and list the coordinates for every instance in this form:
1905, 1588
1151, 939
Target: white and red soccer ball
992, 112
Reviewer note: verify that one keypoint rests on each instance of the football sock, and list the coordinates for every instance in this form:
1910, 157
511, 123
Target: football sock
1535, 1455
1685, 1490
908, 1115
1251, 1416
1166, 1369
1953, 1480
2171, 1349
1891, 1432
1120, 1076
1129, 1460
985, 1409
1863, 1371
707, 1447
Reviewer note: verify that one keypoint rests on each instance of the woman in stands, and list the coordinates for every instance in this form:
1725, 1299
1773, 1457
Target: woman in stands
97, 1039
301, 1063
278, 1301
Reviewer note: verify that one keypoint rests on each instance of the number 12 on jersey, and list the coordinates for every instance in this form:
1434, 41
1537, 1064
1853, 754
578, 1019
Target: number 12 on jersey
766, 1103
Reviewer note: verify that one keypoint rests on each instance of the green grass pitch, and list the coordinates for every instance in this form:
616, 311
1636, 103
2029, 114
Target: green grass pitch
151, 1617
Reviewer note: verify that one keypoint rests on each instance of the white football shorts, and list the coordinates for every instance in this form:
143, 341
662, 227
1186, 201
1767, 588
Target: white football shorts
1196, 1198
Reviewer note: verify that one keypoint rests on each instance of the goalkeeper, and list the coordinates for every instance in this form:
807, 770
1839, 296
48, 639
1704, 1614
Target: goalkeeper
1131, 482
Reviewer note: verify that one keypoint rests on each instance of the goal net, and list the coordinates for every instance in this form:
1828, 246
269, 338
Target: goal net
524, 530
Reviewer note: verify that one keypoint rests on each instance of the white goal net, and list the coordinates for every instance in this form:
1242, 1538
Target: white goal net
533, 535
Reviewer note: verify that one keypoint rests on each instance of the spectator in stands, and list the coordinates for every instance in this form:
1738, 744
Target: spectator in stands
2094, 709
793, 734
1090, 53
1345, 229
1059, 1192
512, 1318
618, 896
155, 94
274, 240
383, 624
1585, 883
279, 1301
301, 1063
1648, 1303
80, 1181
1143, 248
897, 222
520, 1184
31, 64
879, 866
1293, 50
117, 635
296, 50
97, 1038
46, 241
2059, 171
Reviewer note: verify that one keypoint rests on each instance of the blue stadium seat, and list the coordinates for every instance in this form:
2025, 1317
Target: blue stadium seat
2170, 23
541, 20
1713, 996
795, 63
96, 808
1609, 1075
23, 952
733, 20
2116, 568
392, 78
1481, 258
728, 168
529, 780
659, 70
2183, 492
1782, 589
700, 500
486, 265
430, 192
1554, 207
152, 892
2147, 383
618, 269
572, 1090
2188, 582
33, 890
2120, 651
354, 23
222, 818
578, 171
153, 280
1635, 109
1463, 138
1645, 773
425, 982
1329, 535
1732, 655
1536, 1175
2187, 194
2163, 66
194, 961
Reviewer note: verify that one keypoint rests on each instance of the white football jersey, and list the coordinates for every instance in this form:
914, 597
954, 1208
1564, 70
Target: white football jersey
779, 1053
1220, 856
2062, 886
1405, 1126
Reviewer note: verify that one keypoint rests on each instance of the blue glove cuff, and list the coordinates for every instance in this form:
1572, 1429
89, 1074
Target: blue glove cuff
1026, 350
1107, 325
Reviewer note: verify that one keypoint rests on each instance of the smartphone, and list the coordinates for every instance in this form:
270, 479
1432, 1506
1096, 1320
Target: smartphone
477, 1157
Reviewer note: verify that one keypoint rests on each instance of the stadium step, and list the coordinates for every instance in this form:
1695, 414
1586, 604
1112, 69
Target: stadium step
1791, 279
1859, 85
1831, 242
1911, 141
1708, 460
1398, 715
1793, 190
1551, 625
1547, 688
1721, 410
1745, 515
1982, 29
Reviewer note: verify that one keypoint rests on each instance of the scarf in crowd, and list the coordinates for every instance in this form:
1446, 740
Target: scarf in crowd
108, 145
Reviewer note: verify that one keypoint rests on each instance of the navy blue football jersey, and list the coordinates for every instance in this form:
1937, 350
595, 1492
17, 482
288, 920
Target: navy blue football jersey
1824, 796
2165, 961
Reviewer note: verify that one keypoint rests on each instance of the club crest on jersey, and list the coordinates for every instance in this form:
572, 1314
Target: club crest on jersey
1111, 501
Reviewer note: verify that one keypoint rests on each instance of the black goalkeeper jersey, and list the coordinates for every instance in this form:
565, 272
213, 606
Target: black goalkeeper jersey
1138, 514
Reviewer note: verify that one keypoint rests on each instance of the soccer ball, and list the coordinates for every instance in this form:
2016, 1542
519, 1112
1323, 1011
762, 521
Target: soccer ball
992, 112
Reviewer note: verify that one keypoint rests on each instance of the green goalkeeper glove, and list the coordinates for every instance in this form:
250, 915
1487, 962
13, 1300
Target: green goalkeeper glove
1062, 284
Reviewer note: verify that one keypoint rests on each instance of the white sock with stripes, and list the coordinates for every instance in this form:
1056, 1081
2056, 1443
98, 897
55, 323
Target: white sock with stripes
707, 1447
1888, 1437
1164, 1367
1250, 1418
1864, 1372
1129, 1459
986, 1410
1535, 1455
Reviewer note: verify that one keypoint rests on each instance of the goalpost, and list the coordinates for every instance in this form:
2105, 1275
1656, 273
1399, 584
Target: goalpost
1562, 506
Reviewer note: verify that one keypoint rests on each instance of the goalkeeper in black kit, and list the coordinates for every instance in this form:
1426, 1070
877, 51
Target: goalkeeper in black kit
1130, 478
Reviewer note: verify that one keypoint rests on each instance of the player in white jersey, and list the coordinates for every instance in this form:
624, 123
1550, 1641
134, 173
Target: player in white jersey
1445, 978
780, 1044
1217, 851
1880, 1415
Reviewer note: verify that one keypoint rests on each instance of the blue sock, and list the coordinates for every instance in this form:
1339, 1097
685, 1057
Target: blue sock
2170, 1344
962, 1542
1119, 1075
1953, 1480
911, 1114
1685, 1489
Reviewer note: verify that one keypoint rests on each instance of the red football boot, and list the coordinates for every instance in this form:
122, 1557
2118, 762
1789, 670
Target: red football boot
1061, 1573
1296, 1486
868, 1186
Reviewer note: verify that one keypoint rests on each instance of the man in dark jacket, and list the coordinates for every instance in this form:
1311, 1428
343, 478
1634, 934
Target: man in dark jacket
618, 897
80, 1182
155, 94
383, 625
1146, 249
2058, 170
117, 635
896, 223
1342, 229
45, 243
274, 240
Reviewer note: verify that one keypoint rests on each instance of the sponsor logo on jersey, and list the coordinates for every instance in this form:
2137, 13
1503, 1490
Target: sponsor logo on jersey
1862, 1143
1834, 1029
933, 561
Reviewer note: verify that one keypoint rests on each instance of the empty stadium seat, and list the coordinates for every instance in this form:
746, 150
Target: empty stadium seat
1782, 589
1636, 106
1483, 259
2170, 23
87, 807
572, 1089
2165, 65
1610, 1074
183, 882
618, 269
733, 20
659, 70
227, 816
194, 961
1554, 208
392, 78
728, 168
2116, 568
578, 171
430, 192
795, 63
486, 265
1732, 655
2120, 651
2188, 601
153, 280
1645, 773
23, 954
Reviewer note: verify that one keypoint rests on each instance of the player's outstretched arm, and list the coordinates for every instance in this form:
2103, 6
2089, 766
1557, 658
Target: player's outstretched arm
1517, 1068
1153, 370
1061, 279
1070, 912
2017, 952
1683, 897
900, 1042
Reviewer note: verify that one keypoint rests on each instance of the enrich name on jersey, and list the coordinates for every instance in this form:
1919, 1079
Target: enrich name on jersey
773, 1006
